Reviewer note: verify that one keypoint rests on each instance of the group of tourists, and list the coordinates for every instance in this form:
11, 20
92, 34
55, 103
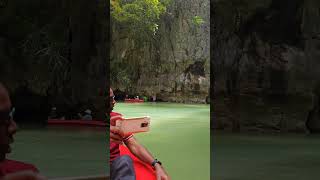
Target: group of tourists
86, 115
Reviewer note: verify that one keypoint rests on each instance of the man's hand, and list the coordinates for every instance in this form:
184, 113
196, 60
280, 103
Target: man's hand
161, 173
114, 135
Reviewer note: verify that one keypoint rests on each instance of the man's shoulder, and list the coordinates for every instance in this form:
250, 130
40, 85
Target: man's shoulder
12, 166
115, 114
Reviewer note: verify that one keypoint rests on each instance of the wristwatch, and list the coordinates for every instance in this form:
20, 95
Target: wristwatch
155, 162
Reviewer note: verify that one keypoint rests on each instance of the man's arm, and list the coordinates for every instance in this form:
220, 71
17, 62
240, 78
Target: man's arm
139, 151
144, 155
24, 175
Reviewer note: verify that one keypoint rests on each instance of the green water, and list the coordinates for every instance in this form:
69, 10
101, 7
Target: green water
264, 157
63, 152
179, 136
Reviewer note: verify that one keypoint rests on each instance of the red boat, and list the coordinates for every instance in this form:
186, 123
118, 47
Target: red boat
134, 100
143, 171
93, 123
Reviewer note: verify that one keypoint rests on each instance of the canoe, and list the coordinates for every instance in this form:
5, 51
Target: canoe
133, 100
143, 171
93, 123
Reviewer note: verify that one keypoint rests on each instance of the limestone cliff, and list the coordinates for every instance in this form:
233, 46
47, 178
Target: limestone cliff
53, 53
174, 65
266, 63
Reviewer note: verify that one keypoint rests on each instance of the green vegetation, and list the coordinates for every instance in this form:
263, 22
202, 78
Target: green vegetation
140, 22
197, 20
138, 15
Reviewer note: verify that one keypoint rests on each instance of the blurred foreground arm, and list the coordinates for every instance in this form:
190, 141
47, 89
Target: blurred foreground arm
23, 175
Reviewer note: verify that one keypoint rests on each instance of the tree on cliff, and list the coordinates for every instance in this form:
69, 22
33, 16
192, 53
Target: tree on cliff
138, 16
139, 19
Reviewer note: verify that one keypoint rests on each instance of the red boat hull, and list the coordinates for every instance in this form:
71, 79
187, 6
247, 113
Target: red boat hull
93, 123
133, 100
143, 171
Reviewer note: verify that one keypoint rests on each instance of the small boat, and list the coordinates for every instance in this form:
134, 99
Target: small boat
93, 123
134, 100
143, 171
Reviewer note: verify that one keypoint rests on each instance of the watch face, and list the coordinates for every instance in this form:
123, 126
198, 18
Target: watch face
155, 162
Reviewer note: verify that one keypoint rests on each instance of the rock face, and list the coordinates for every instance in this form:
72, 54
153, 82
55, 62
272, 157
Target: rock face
174, 65
56, 50
265, 63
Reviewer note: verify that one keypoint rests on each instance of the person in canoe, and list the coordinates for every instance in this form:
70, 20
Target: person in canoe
87, 115
8, 128
121, 167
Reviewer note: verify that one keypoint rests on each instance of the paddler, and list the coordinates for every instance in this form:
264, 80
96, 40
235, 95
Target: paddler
121, 167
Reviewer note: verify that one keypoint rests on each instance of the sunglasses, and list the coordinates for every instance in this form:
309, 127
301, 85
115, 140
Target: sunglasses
112, 98
7, 114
